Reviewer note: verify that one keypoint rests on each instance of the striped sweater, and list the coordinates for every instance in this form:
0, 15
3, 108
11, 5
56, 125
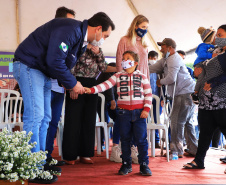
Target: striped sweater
134, 90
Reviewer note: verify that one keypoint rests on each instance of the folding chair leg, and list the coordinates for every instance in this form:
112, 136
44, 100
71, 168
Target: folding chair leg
153, 142
106, 141
98, 140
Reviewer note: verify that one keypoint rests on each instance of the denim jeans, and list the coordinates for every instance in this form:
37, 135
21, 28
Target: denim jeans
36, 92
132, 125
57, 100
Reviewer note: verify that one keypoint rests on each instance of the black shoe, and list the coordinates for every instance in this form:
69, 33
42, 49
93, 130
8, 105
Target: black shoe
157, 145
47, 167
43, 181
145, 170
125, 169
223, 159
59, 163
195, 98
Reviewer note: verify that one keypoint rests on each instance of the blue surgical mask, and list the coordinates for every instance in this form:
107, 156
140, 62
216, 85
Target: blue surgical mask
140, 32
167, 54
221, 42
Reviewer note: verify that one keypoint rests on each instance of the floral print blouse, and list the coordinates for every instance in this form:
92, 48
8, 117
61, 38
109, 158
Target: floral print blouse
89, 65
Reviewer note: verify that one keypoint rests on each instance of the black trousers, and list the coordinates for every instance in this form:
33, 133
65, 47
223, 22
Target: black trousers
208, 120
80, 122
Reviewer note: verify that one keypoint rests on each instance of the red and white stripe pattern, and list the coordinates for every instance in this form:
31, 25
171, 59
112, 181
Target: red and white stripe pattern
134, 90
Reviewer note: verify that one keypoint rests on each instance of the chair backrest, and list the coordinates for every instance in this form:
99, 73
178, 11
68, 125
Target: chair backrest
12, 102
102, 118
157, 107
8, 108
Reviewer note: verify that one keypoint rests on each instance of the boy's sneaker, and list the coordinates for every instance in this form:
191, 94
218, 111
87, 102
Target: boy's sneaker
145, 170
125, 169
115, 154
134, 155
43, 181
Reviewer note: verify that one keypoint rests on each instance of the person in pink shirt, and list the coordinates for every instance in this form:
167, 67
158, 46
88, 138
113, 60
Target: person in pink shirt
134, 41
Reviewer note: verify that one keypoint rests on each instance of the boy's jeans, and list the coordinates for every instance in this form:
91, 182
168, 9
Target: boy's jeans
131, 124
36, 92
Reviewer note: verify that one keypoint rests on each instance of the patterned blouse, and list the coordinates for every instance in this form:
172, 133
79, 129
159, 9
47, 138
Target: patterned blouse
89, 65
215, 98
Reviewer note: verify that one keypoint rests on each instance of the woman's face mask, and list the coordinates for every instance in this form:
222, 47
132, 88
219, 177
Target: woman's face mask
127, 64
221, 42
140, 32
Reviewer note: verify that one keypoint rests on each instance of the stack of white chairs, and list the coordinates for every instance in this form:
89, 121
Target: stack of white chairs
152, 126
8, 113
102, 123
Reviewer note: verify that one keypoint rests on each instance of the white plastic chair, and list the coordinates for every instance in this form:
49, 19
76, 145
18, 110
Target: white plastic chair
60, 130
18, 113
152, 126
8, 114
102, 124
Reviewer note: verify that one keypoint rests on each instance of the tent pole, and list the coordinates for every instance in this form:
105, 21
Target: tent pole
17, 23
133, 8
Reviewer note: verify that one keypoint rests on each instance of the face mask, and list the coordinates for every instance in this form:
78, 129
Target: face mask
167, 54
97, 43
127, 64
140, 32
151, 62
221, 42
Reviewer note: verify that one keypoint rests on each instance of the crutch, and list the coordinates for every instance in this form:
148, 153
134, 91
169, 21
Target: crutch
166, 113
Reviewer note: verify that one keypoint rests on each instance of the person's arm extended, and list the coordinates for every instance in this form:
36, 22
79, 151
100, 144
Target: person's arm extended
103, 86
157, 67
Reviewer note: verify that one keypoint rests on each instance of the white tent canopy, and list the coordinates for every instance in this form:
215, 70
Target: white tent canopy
176, 19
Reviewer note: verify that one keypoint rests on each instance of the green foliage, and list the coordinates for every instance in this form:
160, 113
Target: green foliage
190, 65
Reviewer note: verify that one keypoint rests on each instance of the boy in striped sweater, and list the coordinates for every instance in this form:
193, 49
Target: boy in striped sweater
134, 103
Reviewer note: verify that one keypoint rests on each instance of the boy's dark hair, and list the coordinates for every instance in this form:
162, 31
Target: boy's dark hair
153, 54
181, 52
63, 11
133, 54
223, 27
101, 19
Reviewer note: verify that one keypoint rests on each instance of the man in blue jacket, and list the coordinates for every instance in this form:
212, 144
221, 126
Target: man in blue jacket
51, 51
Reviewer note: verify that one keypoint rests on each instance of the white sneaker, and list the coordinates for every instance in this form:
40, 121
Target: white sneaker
134, 155
115, 154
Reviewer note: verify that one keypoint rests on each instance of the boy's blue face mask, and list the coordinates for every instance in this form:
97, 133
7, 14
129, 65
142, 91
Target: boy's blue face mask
140, 32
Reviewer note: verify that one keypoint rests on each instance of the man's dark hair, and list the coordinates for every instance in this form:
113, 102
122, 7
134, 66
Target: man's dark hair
101, 19
63, 11
181, 52
153, 54
223, 27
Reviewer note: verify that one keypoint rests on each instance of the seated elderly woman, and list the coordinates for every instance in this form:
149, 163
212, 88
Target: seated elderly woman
212, 97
